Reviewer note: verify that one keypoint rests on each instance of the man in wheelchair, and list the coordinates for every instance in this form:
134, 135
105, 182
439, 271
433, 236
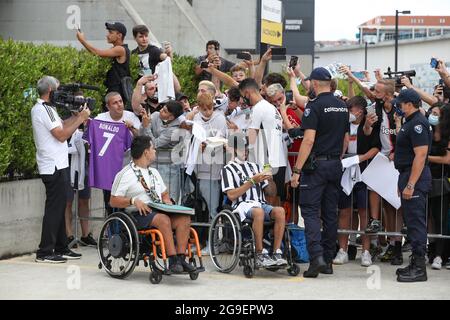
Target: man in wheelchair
245, 185
137, 184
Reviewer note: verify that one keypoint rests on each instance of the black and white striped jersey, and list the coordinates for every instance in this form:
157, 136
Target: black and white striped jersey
236, 173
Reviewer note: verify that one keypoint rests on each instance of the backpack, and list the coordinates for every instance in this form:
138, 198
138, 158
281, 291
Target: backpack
298, 243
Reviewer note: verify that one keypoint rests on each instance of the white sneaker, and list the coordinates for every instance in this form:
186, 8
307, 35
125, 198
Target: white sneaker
437, 263
366, 259
341, 257
263, 260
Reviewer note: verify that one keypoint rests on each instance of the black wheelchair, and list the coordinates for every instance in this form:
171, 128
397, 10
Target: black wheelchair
232, 241
121, 246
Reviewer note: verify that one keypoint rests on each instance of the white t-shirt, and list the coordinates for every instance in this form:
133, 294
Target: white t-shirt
385, 135
265, 114
126, 183
353, 144
50, 152
127, 116
241, 118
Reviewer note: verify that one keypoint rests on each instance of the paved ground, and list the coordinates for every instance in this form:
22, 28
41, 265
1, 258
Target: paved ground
22, 278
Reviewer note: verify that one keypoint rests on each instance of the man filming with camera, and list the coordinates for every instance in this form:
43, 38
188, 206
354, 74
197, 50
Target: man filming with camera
50, 134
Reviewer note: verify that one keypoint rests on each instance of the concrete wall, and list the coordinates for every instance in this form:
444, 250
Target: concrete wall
21, 213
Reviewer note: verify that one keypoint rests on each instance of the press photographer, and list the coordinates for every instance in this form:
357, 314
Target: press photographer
50, 134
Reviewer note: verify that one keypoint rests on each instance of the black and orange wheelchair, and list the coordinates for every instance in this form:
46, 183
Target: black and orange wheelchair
121, 247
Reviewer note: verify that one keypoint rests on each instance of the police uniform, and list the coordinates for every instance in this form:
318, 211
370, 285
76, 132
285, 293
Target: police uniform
319, 187
414, 133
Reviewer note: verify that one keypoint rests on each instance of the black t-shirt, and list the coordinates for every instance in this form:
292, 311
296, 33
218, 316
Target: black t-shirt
329, 116
117, 72
148, 58
415, 132
225, 66
439, 149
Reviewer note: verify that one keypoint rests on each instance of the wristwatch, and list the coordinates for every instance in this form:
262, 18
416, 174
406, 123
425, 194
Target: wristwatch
410, 186
296, 170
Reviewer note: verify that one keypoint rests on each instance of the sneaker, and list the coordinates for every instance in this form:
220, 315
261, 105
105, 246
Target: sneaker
51, 259
374, 226
70, 240
388, 254
205, 251
187, 267
375, 251
278, 258
397, 260
366, 259
406, 246
88, 241
175, 265
263, 260
437, 263
352, 250
341, 257
69, 255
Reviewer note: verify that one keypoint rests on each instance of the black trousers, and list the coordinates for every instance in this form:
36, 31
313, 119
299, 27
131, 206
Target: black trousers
414, 210
53, 236
319, 195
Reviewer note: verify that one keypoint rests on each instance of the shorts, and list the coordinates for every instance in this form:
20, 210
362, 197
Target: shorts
82, 194
359, 195
279, 178
267, 210
144, 222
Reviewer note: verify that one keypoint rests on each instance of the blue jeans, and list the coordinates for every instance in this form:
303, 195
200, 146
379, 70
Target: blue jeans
171, 176
210, 190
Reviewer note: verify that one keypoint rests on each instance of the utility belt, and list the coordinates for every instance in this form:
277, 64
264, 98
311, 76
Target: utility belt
311, 163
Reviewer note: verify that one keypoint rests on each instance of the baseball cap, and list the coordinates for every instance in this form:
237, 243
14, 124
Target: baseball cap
180, 95
117, 26
238, 140
320, 74
407, 95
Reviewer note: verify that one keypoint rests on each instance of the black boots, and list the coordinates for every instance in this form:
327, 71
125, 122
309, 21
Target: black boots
397, 259
316, 266
416, 270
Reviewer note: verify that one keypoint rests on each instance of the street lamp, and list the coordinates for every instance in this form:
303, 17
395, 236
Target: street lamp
396, 34
368, 39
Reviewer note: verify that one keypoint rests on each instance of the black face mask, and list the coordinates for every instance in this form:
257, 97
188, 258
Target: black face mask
246, 101
311, 95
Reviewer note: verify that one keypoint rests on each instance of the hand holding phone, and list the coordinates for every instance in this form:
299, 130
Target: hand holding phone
293, 62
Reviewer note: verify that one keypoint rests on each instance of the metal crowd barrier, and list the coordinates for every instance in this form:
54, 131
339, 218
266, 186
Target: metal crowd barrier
183, 183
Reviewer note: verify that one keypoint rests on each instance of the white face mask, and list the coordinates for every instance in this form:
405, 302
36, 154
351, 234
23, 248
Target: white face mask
352, 117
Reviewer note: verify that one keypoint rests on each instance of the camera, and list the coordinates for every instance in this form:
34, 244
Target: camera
399, 74
65, 97
243, 55
204, 64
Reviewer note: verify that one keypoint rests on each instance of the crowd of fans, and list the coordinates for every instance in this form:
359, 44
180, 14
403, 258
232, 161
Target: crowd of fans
268, 109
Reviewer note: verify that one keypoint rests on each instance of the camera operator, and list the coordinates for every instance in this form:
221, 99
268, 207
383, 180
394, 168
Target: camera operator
50, 134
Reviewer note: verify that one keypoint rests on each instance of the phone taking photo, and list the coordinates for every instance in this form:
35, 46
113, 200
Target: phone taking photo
289, 96
293, 62
434, 63
244, 56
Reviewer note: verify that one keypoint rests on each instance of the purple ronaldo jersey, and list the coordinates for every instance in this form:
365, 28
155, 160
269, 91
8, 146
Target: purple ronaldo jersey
109, 141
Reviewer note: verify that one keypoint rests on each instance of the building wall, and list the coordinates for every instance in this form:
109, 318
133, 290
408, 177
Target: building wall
21, 213
411, 54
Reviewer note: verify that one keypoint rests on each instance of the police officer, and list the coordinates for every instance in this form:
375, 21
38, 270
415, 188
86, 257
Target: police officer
326, 125
411, 152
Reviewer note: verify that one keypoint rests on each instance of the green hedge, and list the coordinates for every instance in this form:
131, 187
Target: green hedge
23, 64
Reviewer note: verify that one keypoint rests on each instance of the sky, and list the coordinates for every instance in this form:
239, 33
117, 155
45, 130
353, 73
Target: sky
339, 19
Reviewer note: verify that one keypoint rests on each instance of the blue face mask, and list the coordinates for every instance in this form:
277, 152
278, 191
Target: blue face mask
433, 119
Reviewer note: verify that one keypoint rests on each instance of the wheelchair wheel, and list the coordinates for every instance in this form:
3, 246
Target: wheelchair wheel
293, 270
155, 277
248, 247
193, 275
249, 271
225, 241
288, 248
118, 245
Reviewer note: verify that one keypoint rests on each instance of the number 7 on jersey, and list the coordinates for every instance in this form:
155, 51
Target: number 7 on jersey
109, 136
